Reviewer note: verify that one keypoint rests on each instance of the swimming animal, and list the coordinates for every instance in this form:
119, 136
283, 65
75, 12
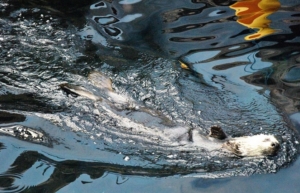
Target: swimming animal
245, 146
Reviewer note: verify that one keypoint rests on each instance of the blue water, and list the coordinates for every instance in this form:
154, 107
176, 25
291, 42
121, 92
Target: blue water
188, 64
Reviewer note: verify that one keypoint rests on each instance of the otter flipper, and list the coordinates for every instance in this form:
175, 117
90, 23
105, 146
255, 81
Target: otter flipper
78, 91
217, 132
100, 80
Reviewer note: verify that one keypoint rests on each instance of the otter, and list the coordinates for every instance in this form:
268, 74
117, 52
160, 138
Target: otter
245, 146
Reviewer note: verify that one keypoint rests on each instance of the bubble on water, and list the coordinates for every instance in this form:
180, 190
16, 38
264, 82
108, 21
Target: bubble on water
171, 156
35, 10
129, 2
98, 5
126, 158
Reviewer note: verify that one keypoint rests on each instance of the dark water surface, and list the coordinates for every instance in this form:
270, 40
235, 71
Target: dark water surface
182, 65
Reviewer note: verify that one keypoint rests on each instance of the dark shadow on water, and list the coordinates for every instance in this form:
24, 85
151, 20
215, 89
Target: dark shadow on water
56, 6
208, 183
26, 102
6, 117
66, 172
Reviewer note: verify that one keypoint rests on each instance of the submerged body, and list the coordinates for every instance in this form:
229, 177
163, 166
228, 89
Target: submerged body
247, 146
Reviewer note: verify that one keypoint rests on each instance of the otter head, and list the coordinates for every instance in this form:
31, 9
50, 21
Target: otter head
253, 146
269, 145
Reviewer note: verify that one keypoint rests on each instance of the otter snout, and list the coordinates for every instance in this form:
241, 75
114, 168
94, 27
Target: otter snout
275, 147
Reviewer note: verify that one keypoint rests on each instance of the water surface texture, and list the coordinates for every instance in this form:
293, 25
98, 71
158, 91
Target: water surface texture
176, 69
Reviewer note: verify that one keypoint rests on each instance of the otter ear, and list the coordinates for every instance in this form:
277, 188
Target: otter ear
233, 147
217, 132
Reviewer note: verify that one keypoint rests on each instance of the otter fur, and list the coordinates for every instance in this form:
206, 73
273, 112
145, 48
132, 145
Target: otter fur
247, 146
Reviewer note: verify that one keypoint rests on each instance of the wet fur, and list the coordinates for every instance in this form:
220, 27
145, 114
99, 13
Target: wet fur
253, 146
250, 146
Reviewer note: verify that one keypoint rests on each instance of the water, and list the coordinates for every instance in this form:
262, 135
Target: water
187, 65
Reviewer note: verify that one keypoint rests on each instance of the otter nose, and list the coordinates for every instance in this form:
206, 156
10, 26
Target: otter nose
276, 146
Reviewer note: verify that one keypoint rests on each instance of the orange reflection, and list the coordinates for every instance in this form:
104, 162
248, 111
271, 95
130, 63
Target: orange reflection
184, 66
253, 14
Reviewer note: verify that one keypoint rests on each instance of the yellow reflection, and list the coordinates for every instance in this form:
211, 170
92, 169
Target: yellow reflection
253, 14
184, 66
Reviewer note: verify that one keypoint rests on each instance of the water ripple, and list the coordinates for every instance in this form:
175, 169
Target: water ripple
40, 51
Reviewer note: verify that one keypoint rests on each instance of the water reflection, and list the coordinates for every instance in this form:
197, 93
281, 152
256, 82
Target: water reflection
253, 14
34, 172
227, 81
211, 65
50, 176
